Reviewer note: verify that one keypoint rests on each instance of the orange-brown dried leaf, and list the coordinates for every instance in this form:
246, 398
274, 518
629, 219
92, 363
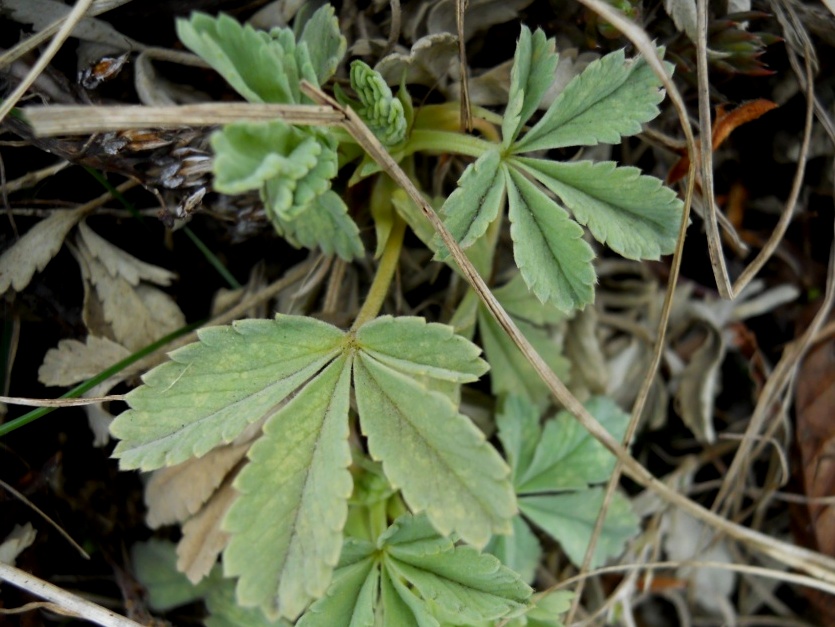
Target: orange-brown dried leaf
727, 121
723, 126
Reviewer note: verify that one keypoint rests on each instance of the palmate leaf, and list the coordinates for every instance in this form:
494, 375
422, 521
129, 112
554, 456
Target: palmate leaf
413, 576
567, 457
548, 246
260, 66
534, 66
293, 500
475, 203
437, 457
634, 215
569, 518
211, 390
610, 99
563, 456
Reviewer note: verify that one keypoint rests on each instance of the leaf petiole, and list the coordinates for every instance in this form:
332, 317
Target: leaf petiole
385, 272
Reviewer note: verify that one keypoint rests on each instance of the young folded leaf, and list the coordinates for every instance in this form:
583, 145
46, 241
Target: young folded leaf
377, 106
634, 215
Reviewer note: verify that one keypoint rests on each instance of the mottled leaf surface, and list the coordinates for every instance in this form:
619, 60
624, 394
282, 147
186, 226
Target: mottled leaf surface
412, 346
211, 390
436, 456
286, 525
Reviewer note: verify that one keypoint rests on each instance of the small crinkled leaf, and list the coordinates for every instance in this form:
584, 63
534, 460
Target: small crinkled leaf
286, 525
325, 225
437, 457
211, 390
567, 456
35, 249
519, 551
426, 63
633, 214
548, 246
475, 203
414, 347
462, 583
378, 107
290, 166
260, 66
241, 54
510, 372
610, 99
534, 65
325, 43
287, 198
73, 361
351, 598
569, 519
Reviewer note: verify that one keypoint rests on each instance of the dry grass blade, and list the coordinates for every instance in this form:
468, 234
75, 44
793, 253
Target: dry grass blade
70, 22
80, 120
714, 241
466, 109
65, 600
22, 498
60, 402
645, 45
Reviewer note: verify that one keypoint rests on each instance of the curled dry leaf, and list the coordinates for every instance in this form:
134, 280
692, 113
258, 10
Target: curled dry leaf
73, 361
427, 62
582, 348
133, 314
35, 249
203, 538
121, 264
699, 384
21, 537
175, 493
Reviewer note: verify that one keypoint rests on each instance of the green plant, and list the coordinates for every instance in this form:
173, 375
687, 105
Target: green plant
330, 526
